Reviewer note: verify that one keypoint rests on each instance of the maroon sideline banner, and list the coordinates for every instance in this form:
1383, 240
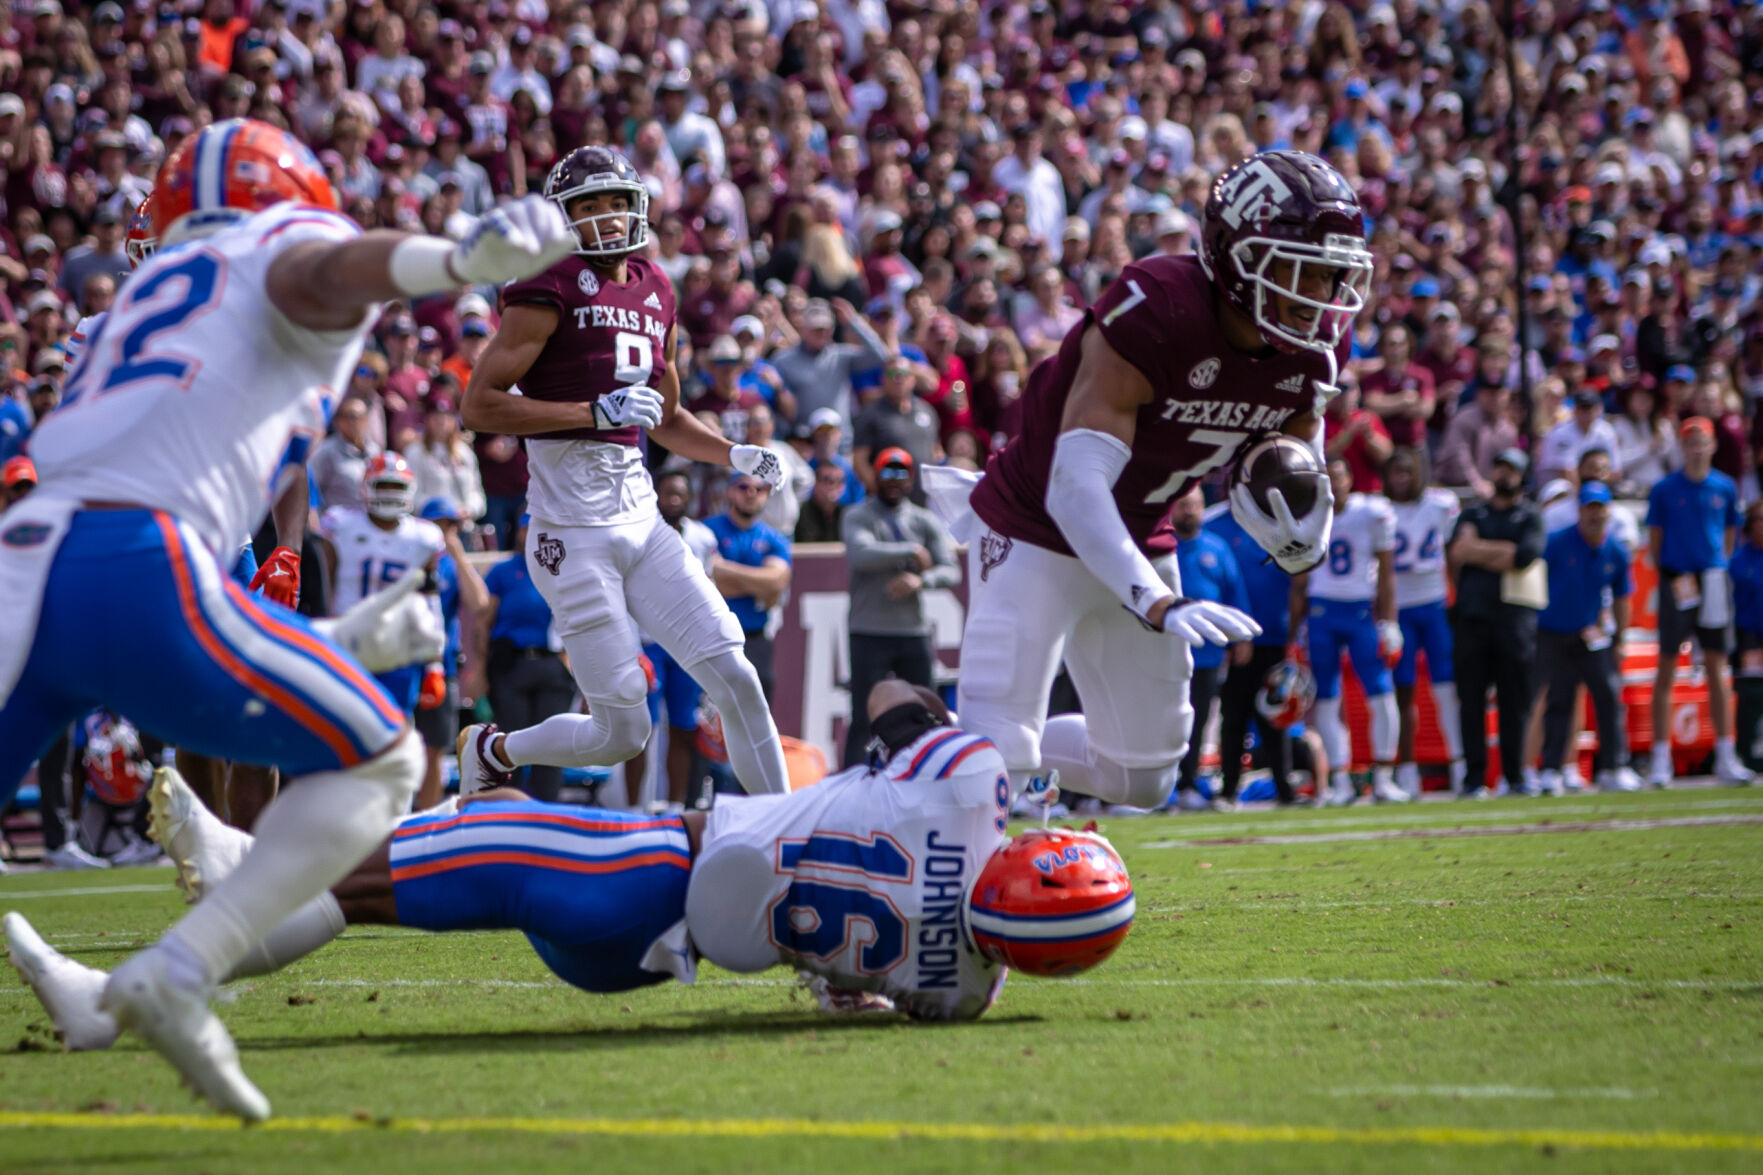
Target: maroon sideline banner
811, 699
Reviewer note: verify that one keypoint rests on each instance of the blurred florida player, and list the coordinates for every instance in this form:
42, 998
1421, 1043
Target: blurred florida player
891, 884
1172, 372
209, 378
1425, 518
1352, 609
368, 549
591, 343
237, 791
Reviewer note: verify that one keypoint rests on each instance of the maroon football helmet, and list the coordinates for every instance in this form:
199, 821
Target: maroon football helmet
1287, 206
587, 170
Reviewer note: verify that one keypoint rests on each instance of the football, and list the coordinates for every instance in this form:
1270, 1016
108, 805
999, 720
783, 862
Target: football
1283, 463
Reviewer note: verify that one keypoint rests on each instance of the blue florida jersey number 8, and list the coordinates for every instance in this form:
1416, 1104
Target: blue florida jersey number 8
1364, 529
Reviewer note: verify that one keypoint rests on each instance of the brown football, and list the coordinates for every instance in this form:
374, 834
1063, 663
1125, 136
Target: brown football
1283, 463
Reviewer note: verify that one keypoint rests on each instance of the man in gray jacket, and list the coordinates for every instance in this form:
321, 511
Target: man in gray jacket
894, 550
818, 371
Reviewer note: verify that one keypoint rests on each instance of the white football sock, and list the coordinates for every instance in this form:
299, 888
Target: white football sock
305, 930
1386, 727
755, 750
1444, 698
1325, 716
318, 829
611, 734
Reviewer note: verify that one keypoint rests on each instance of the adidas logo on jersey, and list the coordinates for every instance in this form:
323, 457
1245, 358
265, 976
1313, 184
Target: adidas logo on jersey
652, 302
1292, 383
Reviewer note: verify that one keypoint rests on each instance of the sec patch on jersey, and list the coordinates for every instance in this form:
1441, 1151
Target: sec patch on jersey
1283, 463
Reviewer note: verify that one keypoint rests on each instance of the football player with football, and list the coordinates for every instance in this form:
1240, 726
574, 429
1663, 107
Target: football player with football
1349, 605
1425, 518
1175, 368
891, 885
204, 387
590, 343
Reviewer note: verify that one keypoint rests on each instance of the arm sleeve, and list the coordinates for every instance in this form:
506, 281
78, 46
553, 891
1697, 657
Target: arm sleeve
1080, 501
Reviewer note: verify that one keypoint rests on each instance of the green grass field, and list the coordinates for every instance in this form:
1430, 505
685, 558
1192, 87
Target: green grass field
1522, 985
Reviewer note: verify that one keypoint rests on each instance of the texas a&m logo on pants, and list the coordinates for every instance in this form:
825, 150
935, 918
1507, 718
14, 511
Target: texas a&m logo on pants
549, 552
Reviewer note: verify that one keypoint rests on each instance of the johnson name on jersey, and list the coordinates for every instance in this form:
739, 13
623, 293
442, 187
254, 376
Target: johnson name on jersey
1364, 529
862, 878
1208, 400
609, 335
1423, 527
369, 558
194, 395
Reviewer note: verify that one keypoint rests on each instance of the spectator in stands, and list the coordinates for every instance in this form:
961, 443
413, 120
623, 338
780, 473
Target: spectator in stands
784, 505
752, 568
898, 420
1356, 436
442, 460
1692, 516
1646, 443
1587, 429
1579, 641
1495, 639
823, 432
18, 477
823, 514
1475, 438
104, 256
1400, 391
817, 371
525, 678
337, 466
894, 551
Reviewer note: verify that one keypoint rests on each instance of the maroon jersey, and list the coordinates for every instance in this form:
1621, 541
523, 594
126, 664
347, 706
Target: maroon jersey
608, 336
1208, 400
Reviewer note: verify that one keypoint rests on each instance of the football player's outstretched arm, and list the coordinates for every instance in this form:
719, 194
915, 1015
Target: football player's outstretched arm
333, 285
685, 435
489, 406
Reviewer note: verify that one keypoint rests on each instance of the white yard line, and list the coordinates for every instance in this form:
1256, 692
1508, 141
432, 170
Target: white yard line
8, 894
1490, 1091
1446, 832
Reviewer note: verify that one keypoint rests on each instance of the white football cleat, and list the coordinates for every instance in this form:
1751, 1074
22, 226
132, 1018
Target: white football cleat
1550, 783
71, 856
199, 843
1571, 779
67, 990
1408, 779
1384, 789
136, 852
181, 1027
1728, 768
1660, 770
477, 770
1341, 791
1619, 779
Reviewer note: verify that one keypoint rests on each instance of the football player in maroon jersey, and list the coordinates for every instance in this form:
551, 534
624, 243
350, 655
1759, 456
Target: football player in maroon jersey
591, 344
1167, 377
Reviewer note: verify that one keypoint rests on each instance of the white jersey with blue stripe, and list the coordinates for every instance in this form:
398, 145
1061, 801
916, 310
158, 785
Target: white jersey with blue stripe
1423, 528
862, 878
369, 558
75, 344
195, 395
1363, 529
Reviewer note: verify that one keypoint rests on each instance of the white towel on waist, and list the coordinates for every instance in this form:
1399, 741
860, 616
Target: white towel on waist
949, 490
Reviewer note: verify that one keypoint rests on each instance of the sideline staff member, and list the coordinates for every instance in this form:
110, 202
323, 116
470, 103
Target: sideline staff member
1578, 642
1496, 641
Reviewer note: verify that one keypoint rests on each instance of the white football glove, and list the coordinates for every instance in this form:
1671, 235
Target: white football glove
390, 629
514, 241
1389, 641
638, 405
1207, 622
758, 461
1297, 545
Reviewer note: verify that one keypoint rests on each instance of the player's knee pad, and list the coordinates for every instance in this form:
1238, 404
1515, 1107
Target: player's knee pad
755, 750
731, 681
1142, 787
623, 728
394, 774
